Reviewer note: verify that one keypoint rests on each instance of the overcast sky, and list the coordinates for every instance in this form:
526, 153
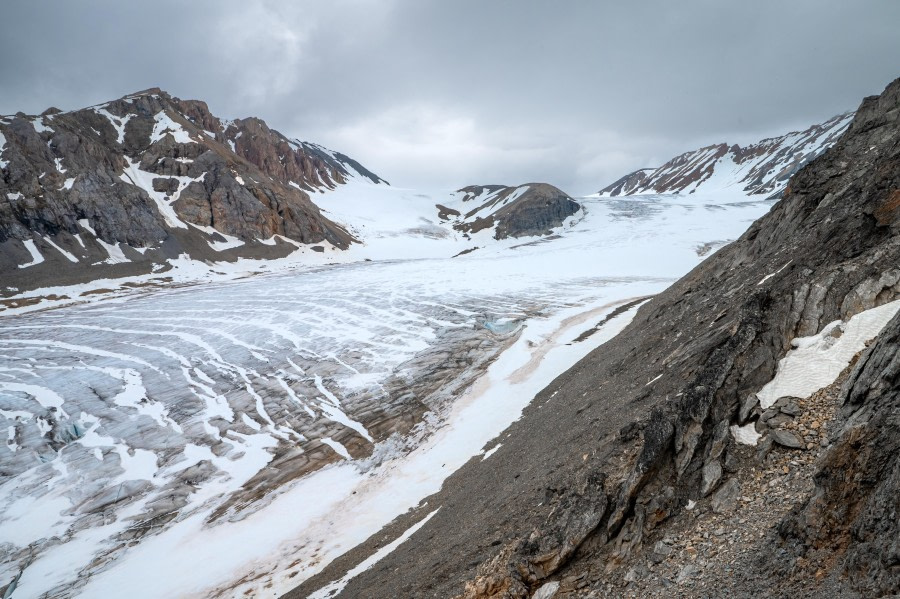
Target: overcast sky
441, 94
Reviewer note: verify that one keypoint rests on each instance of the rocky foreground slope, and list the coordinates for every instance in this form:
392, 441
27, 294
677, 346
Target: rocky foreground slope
124, 187
763, 168
579, 499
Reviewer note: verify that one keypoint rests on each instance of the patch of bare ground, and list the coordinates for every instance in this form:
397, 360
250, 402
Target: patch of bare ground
30, 301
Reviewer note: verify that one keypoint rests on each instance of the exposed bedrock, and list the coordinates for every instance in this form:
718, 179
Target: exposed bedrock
526, 210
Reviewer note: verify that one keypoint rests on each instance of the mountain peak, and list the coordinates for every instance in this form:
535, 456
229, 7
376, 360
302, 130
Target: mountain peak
762, 168
150, 177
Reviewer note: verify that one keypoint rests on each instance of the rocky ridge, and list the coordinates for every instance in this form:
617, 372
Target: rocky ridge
525, 210
762, 168
613, 452
125, 187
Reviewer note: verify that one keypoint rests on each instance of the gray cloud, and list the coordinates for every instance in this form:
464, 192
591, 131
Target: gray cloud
444, 94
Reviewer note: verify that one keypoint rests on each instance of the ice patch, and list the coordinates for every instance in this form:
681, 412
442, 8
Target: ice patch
86, 225
653, 380
333, 409
113, 251
31, 519
547, 590
769, 276
491, 451
219, 246
39, 125
516, 194
337, 447
745, 435
11, 439
816, 361
3, 163
144, 180
44, 396
164, 124
136, 464
69, 256
117, 122
36, 257
337, 586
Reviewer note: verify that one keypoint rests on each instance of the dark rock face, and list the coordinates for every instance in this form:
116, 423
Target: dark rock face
139, 171
853, 513
632, 183
828, 250
528, 210
761, 168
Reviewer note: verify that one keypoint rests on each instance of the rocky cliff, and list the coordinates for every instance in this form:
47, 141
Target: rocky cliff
640, 440
762, 168
526, 210
126, 186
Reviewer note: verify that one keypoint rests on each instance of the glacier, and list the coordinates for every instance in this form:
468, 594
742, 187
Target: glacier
211, 430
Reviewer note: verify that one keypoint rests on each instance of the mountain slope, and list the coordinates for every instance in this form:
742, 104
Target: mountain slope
639, 432
762, 168
128, 186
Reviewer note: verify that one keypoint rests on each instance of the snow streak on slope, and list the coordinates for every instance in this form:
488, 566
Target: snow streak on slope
148, 433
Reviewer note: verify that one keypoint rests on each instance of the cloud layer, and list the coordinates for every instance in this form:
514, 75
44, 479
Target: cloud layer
444, 94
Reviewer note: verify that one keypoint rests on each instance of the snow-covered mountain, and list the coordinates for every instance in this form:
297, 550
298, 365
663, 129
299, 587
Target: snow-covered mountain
136, 185
760, 169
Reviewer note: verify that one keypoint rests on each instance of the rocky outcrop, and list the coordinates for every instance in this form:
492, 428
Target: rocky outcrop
762, 168
630, 184
123, 187
527, 210
644, 417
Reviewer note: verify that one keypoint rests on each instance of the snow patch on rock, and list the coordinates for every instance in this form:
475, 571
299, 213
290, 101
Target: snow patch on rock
816, 361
